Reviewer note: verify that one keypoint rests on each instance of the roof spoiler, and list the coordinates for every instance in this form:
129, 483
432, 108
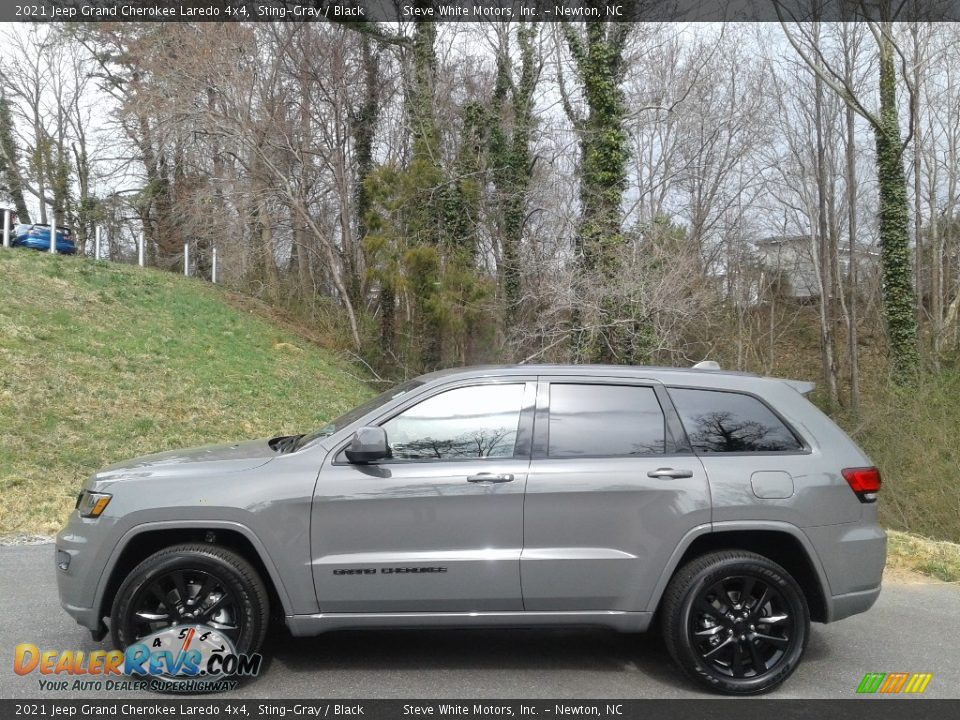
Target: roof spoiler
801, 386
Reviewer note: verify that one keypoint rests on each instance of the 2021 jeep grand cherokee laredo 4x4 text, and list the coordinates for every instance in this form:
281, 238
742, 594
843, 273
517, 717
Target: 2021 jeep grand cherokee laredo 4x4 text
724, 504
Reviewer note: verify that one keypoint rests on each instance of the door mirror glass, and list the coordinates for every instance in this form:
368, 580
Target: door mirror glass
368, 445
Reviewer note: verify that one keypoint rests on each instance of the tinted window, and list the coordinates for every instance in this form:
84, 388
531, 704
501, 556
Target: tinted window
470, 422
604, 420
730, 422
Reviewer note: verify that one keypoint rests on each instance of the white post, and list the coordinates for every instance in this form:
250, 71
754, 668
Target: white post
6, 228
186, 259
96, 244
140, 250
53, 233
214, 275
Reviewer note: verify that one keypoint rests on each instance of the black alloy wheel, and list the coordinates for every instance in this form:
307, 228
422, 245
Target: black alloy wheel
735, 622
189, 584
741, 626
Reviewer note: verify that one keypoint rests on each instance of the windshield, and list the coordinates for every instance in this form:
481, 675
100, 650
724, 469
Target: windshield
358, 412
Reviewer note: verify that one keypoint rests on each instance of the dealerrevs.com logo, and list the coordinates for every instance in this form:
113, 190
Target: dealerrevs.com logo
185, 658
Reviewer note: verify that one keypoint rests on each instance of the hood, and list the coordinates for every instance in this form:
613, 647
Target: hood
219, 459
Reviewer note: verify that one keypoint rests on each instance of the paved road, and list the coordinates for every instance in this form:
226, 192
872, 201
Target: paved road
913, 627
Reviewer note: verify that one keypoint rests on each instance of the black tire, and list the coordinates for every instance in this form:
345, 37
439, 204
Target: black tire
735, 622
247, 608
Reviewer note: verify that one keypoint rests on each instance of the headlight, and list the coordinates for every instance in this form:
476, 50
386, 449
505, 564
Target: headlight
92, 504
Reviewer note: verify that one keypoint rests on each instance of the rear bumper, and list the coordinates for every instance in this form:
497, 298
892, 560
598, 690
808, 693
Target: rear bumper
852, 557
843, 606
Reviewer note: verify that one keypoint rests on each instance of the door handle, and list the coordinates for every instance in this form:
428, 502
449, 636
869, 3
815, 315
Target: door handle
490, 478
669, 474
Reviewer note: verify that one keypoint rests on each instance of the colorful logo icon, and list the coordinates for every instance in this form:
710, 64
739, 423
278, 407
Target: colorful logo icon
894, 683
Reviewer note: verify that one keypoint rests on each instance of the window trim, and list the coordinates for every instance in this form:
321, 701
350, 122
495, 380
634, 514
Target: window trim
674, 445
521, 448
805, 447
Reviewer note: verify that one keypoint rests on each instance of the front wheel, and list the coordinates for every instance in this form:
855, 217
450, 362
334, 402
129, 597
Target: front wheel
735, 622
192, 584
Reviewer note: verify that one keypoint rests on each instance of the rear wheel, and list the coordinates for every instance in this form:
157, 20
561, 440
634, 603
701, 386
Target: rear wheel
735, 622
192, 584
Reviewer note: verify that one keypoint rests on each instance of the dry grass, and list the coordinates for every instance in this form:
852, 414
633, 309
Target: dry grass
908, 553
99, 362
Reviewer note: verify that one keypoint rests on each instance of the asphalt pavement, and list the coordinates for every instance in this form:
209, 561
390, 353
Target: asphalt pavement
912, 628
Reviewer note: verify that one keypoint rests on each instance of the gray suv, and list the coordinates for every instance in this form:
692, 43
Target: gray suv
723, 507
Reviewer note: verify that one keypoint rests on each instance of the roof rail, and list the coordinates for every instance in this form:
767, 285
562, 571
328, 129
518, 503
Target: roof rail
707, 365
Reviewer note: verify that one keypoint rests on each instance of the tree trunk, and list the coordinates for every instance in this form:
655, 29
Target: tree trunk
852, 283
824, 255
898, 292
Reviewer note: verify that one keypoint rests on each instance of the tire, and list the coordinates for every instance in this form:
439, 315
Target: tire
735, 622
246, 608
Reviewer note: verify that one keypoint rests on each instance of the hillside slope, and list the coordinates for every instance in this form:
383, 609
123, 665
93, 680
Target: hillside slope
100, 362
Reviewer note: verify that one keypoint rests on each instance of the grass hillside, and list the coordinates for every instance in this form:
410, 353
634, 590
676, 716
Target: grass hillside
101, 362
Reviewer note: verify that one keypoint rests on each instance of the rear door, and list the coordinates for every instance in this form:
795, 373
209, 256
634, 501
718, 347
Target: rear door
613, 487
438, 527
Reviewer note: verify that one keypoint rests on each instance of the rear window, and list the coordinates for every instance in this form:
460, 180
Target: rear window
722, 422
604, 421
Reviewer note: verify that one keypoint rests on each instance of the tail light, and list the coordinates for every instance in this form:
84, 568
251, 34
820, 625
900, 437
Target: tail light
864, 481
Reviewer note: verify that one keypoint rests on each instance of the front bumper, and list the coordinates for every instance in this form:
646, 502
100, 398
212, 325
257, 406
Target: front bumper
78, 567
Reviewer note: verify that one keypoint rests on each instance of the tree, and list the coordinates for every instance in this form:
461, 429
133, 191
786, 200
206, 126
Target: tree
511, 137
894, 212
598, 58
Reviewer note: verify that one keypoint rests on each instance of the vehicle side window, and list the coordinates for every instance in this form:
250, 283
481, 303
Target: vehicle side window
718, 421
479, 421
605, 421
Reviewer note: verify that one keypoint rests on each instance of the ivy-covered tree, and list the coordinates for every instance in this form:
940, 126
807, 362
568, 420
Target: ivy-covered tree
511, 164
894, 212
598, 57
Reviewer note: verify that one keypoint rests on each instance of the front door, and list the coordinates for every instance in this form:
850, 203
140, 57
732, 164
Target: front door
438, 527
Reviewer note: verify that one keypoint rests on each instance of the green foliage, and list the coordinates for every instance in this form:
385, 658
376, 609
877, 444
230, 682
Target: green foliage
100, 362
897, 281
913, 435
603, 178
508, 145
428, 258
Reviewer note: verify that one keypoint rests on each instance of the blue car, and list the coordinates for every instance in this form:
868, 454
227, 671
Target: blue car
38, 237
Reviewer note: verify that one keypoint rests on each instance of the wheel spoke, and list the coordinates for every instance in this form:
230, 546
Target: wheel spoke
761, 603
181, 587
159, 595
736, 665
758, 664
204, 592
709, 631
209, 611
778, 642
772, 619
717, 649
152, 617
746, 592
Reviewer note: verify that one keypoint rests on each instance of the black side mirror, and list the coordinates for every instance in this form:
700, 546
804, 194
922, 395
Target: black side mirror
368, 445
